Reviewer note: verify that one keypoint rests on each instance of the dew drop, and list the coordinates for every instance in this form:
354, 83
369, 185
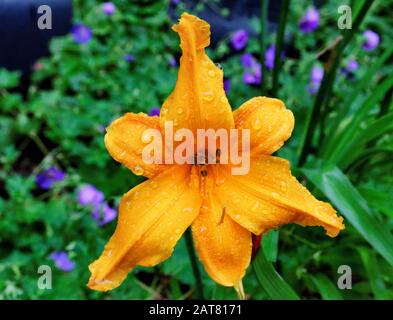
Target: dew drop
275, 195
138, 170
255, 207
257, 124
145, 137
179, 110
207, 96
211, 73
219, 66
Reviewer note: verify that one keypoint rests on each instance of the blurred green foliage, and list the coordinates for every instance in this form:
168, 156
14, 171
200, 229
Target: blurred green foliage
59, 120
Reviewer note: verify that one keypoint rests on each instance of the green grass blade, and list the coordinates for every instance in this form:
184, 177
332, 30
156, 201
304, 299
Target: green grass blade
374, 130
326, 287
270, 245
374, 274
326, 85
353, 124
284, 8
350, 203
269, 279
263, 36
336, 131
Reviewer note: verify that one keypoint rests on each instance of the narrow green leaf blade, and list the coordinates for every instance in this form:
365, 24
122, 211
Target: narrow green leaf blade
270, 245
274, 285
374, 274
346, 198
326, 287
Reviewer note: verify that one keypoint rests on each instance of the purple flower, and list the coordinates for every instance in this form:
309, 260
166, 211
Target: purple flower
352, 66
81, 33
62, 261
247, 60
172, 62
89, 195
371, 40
175, 2
316, 77
227, 85
45, 179
154, 111
108, 8
254, 75
129, 57
103, 213
309, 22
269, 56
239, 39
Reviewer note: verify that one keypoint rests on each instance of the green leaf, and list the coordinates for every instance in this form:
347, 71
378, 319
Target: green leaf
349, 128
270, 245
378, 199
326, 287
346, 198
374, 274
374, 130
269, 279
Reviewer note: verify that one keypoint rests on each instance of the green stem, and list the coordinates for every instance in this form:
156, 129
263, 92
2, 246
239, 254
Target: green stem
279, 44
327, 83
263, 22
194, 264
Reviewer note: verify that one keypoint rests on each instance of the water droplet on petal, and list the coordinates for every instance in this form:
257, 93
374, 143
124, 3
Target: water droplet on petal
146, 138
207, 96
275, 195
219, 66
257, 124
179, 110
255, 207
211, 73
138, 170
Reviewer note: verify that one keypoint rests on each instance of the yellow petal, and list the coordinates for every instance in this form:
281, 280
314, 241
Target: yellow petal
198, 100
270, 123
223, 246
269, 196
152, 218
125, 143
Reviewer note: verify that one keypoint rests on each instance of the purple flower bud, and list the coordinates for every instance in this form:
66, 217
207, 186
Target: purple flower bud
103, 213
371, 40
89, 195
81, 33
62, 261
316, 77
227, 85
254, 75
108, 8
269, 56
239, 39
247, 60
352, 66
129, 57
172, 62
154, 111
46, 178
310, 21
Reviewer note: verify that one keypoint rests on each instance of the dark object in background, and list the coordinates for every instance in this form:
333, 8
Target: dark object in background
22, 41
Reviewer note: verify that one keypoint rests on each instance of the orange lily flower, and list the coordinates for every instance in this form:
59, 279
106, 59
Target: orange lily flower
224, 210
